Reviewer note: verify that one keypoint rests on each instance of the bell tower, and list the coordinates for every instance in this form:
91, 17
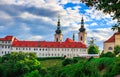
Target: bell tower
82, 34
58, 36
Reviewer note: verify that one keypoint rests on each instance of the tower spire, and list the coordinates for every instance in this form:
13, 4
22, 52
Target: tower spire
58, 35
58, 31
82, 29
73, 37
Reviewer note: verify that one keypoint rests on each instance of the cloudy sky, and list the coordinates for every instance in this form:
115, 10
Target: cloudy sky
37, 20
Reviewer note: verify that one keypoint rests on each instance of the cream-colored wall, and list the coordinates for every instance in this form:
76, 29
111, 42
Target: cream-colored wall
84, 35
107, 45
117, 39
59, 36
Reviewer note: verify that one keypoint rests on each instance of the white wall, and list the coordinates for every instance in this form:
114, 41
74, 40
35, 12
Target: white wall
5, 47
52, 52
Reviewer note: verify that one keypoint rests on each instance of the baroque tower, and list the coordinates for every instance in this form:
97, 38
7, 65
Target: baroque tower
58, 36
82, 34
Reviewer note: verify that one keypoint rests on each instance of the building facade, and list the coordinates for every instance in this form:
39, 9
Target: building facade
110, 43
56, 48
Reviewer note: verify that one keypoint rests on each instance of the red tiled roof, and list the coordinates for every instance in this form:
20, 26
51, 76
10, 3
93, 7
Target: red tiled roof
7, 38
67, 44
111, 39
69, 40
25, 44
63, 44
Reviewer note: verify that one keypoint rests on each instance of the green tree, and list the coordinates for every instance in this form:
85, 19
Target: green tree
81, 69
116, 27
93, 50
67, 61
117, 49
108, 54
34, 73
114, 69
17, 64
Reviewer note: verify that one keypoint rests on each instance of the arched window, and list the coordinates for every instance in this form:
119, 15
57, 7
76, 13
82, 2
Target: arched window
81, 37
110, 48
57, 39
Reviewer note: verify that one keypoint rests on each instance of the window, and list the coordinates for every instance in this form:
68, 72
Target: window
57, 39
110, 48
5, 46
16, 48
81, 38
8, 41
52, 54
8, 46
2, 46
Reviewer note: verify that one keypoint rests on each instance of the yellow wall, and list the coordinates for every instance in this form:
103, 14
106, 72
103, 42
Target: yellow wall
107, 45
117, 39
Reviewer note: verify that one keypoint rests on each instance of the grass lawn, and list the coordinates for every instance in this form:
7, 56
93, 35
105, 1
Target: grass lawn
51, 62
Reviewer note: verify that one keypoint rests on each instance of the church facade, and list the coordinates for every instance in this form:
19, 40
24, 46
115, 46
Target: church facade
110, 43
56, 48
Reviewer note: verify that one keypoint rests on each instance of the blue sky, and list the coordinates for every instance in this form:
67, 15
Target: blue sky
37, 20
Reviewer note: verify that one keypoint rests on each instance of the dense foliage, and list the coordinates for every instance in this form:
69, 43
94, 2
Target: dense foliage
27, 65
18, 64
117, 50
108, 54
93, 49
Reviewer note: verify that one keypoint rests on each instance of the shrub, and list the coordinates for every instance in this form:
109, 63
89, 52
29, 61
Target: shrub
108, 54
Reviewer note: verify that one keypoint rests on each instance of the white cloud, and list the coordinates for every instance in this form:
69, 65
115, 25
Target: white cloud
96, 14
6, 18
24, 27
100, 34
2, 27
93, 24
35, 37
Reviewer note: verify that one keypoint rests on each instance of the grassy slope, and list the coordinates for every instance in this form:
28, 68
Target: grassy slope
51, 62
